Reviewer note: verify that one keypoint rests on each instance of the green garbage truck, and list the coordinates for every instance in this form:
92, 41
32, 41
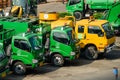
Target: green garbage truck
82, 8
56, 52
23, 49
59, 44
113, 16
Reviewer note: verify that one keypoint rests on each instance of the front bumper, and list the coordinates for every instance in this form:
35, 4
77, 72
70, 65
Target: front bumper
70, 58
109, 48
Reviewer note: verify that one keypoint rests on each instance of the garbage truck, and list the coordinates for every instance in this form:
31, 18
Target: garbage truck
113, 16
55, 53
61, 44
95, 36
23, 49
92, 44
82, 8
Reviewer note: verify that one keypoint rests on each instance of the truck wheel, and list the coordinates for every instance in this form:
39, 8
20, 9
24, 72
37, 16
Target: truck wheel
8, 50
91, 53
19, 68
57, 60
78, 15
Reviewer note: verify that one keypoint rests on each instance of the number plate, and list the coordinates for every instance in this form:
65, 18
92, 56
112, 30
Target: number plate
41, 63
3, 74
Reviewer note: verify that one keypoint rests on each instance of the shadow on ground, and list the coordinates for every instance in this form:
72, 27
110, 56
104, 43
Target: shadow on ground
115, 54
32, 72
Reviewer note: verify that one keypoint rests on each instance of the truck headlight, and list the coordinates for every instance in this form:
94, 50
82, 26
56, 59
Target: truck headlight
72, 53
35, 61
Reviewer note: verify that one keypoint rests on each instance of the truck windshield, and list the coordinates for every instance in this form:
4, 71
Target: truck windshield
2, 55
61, 37
73, 2
35, 42
108, 29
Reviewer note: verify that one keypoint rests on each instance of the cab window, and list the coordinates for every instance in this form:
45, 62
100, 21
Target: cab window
22, 44
73, 2
94, 29
60, 37
80, 29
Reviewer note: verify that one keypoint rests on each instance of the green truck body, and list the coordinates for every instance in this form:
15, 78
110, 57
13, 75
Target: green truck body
81, 7
61, 44
19, 24
56, 47
24, 49
113, 16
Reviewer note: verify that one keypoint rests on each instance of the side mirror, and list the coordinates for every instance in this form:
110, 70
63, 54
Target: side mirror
37, 48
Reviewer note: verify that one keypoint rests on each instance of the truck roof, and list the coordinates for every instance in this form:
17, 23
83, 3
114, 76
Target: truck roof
65, 28
61, 22
91, 22
28, 35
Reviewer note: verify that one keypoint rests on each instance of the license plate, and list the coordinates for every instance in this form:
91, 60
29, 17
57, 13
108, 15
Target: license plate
3, 74
41, 63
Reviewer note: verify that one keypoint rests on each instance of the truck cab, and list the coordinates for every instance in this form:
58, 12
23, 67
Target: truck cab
96, 36
24, 50
27, 52
61, 45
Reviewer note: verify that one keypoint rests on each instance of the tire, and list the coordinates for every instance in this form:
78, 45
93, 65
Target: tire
8, 50
78, 15
91, 53
57, 60
19, 68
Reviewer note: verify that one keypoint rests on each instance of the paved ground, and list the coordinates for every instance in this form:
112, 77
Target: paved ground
54, 6
81, 69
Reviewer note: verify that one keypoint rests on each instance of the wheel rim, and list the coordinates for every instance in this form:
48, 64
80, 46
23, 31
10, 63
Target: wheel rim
77, 15
92, 53
58, 61
19, 69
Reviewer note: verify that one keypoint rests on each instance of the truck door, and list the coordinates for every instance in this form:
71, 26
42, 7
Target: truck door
21, 49
60, 42
74, 5
80, 31
94, 35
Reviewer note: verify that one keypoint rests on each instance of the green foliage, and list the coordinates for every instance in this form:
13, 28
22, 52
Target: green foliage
63, 14
98, 15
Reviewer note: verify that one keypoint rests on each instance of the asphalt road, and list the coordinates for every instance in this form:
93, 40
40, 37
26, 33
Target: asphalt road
51, 6
81, 69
